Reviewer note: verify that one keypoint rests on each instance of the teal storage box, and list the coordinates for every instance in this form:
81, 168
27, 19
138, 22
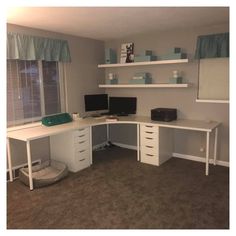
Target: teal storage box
174, 50
144, 58
111, 81
147, 53
141, 81
142, 74
174, 56
56, 119
110, 56
178, 80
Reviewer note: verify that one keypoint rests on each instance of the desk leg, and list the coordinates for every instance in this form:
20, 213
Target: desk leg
29, 165
9, 159
207, 152
108, 133
138, 143
215, 145
90, 145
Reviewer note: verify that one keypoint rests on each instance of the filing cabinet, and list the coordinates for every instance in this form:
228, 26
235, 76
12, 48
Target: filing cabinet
72, 148
154, 150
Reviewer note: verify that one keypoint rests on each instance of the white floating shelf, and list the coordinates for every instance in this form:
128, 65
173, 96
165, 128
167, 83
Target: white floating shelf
144, 63
143, 85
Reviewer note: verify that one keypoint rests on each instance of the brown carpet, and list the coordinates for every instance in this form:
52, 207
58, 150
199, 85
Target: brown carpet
117, 192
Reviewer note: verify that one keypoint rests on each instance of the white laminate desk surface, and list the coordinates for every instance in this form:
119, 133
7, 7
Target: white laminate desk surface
43, 131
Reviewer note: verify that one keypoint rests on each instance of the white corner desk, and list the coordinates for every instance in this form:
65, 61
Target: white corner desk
148, 135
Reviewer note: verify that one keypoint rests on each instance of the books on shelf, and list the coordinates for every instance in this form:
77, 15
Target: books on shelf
127, 53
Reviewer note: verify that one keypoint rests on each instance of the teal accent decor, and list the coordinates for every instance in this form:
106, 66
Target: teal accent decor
147, 53
175, 50
110, 56
56, 119
26, 47
112, 81
174, 56
177, 80
144, 58
142, 74
212, 46
141, 81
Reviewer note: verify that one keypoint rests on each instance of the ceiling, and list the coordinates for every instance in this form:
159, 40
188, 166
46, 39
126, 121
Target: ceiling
107, 23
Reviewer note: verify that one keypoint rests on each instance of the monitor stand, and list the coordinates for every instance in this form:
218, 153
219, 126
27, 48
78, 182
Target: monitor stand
122, 114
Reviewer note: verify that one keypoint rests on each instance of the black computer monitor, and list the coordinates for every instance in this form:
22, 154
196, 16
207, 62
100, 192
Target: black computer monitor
122, 105
96, 102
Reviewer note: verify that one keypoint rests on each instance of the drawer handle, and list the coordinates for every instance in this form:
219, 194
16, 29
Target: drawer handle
81, 129
80, 136
149, 146
82, 159
149, 126
81, 142
148, 132
149, 155
148, 138
82, 151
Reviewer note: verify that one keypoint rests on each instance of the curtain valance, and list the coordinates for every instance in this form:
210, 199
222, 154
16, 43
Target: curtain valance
26, 47
211, 46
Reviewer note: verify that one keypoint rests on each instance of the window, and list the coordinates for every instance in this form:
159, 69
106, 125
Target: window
213, 79
34, 89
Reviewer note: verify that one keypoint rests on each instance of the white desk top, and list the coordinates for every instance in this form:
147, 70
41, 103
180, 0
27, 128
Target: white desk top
43, 131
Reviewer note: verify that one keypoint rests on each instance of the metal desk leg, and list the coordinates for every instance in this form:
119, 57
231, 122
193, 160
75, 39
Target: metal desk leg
91, 145
9, 159
108, 133
138, 143
207, 152
215, 145
29, 165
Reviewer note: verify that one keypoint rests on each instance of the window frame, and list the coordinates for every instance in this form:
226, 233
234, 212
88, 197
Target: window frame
18, 124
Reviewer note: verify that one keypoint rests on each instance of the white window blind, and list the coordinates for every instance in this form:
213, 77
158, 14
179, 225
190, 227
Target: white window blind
34, 89
214, 79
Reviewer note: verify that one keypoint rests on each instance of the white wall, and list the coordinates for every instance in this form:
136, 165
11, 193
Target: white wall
186, 142
83, 77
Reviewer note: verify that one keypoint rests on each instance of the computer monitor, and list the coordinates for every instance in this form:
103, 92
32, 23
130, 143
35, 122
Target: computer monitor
122, 105
96, 102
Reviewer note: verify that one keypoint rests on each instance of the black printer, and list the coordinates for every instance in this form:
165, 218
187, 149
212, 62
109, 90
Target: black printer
164, 114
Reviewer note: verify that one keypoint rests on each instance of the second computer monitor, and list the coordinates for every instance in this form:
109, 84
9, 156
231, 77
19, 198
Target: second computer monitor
122, 106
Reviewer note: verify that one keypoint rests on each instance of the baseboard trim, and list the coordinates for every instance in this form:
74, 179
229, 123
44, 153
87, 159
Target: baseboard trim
174, 154
199, 159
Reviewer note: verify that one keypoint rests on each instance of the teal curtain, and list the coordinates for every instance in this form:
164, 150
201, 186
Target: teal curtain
211, 46
26, 47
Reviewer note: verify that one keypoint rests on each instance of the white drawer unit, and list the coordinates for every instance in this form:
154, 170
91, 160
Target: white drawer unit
154, 150
81, 159
82, 145
81, 135
72, 148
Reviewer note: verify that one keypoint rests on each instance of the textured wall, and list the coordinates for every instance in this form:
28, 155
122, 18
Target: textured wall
186, 142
